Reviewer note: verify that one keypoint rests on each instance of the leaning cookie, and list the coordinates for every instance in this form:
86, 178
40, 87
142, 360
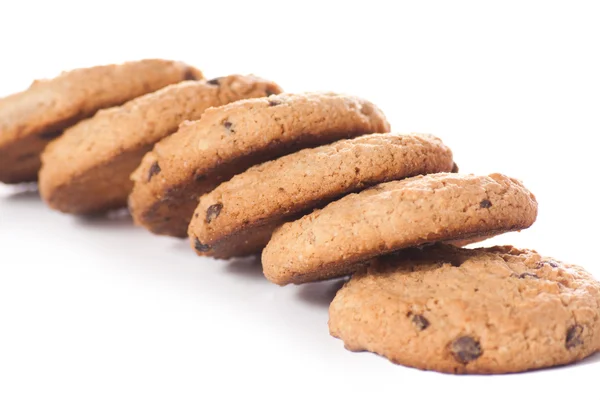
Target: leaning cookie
238, 217
30, 119
88, 168
230, 139
392, 216
494, 310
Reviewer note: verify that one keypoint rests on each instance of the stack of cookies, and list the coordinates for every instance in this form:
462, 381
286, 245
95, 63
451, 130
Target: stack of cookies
319, 185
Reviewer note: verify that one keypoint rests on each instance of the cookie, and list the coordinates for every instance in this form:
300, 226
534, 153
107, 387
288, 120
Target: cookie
478, 311
88, 168
230, 139
238, 217
30, 119
392, 216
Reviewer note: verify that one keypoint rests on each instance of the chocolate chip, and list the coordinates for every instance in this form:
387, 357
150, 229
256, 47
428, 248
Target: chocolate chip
154, 170
269, 92
553, 264
485, 203
454, 168
228, 126
465, 349
213, 212
574, 336
550, 263
198, 245
420, 322
215, 81
50, 135
274, 103
528, 275
190, 75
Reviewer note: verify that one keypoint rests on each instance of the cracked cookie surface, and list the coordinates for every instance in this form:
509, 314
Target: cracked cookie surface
32, 118
88, 168
395, 215
230, 139
238, 217
488, 310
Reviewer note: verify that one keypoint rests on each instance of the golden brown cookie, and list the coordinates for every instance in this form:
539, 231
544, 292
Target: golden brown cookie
88, 168
228, 140
30, 119
494, 310
392, 216
238, 217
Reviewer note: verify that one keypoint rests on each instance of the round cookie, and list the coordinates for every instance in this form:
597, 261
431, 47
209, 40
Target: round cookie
230, 139
88, 168
238, 217
30, 119
479, 311
392, 216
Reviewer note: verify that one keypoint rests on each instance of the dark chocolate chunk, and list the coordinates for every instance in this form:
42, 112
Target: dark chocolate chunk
274, 102
454, 168
465, 349
215, 81
485, 203
50, 135
213, 212
574, 336
270, 92
154, 170
198, 245
420, 322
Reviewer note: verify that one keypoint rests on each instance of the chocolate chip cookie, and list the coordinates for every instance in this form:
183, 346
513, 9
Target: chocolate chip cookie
230, 139
392, 216
480, 311
238, 217
88, 168
30, 119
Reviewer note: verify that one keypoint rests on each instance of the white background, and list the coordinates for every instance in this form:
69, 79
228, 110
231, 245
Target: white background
97, 308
